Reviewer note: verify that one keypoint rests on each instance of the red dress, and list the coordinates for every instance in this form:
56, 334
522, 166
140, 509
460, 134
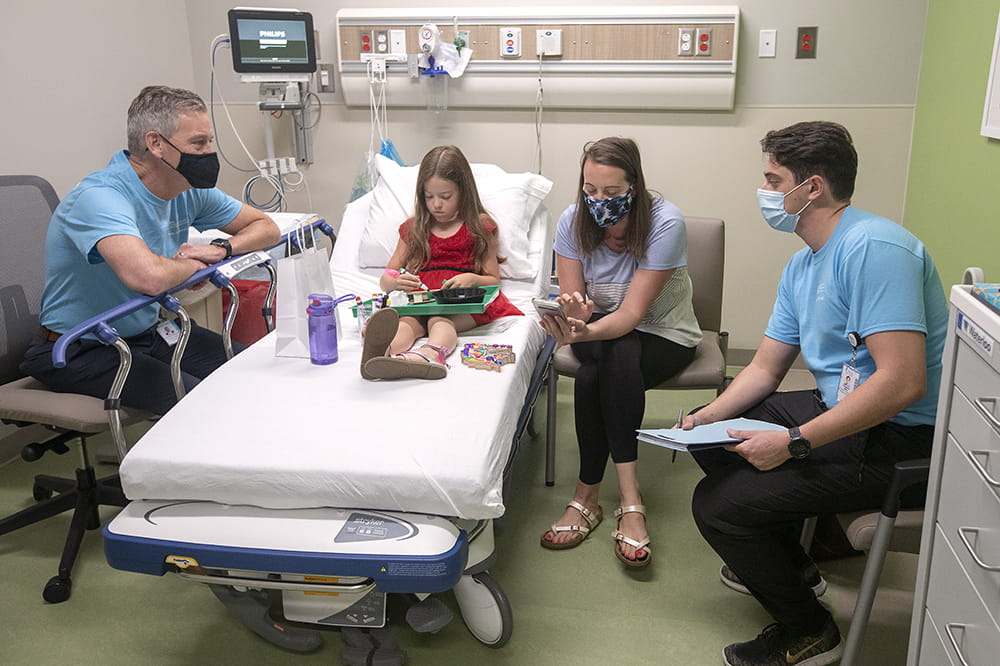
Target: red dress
453, 255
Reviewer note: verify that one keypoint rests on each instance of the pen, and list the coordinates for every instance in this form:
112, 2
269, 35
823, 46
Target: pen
680, 421
403, 271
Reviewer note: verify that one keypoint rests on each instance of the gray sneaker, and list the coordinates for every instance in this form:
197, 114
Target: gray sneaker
810, 573
777, 646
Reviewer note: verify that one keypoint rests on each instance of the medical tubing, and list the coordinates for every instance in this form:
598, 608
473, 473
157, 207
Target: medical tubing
218, 41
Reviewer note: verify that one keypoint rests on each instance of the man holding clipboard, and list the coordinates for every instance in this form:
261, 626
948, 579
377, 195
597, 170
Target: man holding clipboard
864, 305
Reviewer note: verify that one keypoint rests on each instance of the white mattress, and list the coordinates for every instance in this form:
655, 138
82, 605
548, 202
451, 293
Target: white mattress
283, 433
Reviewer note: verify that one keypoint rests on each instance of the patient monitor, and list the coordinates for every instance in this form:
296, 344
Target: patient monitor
272, 44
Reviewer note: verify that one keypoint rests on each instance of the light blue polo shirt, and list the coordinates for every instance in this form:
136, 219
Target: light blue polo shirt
79, 284
871, 276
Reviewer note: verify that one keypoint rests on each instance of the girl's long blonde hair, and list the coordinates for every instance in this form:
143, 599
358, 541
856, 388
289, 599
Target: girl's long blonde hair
449, 163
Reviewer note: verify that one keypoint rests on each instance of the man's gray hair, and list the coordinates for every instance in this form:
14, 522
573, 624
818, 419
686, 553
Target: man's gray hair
155, 109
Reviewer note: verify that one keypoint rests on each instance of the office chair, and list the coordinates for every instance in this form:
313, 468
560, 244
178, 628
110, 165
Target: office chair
26, 205
706, 257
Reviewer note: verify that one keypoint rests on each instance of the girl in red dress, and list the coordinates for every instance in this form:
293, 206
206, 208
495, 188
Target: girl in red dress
451, 242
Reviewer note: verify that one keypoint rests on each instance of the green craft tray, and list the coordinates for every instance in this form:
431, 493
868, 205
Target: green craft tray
442, 308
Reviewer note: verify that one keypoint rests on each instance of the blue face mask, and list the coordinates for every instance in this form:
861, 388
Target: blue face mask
608, 212
772, 207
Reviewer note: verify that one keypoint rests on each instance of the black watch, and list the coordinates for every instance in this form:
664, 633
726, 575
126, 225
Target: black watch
798, 446
224, 244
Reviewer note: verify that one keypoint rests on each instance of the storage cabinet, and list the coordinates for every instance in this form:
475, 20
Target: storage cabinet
957, 596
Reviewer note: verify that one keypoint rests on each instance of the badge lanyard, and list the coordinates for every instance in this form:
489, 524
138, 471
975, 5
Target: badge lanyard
850, 377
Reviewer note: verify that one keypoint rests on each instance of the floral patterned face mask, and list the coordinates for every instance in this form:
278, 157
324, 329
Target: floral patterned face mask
608, 212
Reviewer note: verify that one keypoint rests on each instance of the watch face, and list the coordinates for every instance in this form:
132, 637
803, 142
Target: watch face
799, 448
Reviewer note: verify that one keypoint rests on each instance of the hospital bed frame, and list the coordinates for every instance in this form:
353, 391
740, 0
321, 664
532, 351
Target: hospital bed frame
438, 553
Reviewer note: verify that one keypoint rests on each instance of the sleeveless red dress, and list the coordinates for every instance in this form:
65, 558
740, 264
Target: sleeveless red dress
453, 255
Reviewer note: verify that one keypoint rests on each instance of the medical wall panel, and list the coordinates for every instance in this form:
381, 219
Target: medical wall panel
661, 57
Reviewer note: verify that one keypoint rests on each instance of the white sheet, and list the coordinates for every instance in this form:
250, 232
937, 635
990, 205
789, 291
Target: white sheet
283, 433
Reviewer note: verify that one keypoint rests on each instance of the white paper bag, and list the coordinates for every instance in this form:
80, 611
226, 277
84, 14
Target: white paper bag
299, 275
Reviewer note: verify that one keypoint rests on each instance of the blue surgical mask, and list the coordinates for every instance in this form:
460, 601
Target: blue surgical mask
608, 212
772, 207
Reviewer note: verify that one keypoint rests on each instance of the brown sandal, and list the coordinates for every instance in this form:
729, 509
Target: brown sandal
581, 532
379, 332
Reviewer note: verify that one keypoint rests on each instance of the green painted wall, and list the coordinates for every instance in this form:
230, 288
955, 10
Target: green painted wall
953, 191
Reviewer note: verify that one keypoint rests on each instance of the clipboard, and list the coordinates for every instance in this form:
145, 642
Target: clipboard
699, 438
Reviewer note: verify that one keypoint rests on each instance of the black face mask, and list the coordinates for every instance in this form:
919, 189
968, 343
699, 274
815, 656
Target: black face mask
200, 170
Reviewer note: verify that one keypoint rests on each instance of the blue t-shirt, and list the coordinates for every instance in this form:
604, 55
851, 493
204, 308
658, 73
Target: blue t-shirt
608, 274
871, 276
79, 284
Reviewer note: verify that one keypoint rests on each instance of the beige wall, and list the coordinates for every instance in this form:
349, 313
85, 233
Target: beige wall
90, 58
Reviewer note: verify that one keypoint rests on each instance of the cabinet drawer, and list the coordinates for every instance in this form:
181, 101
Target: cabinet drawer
980, 383
970, 520
974, 436
932, 645
957, 611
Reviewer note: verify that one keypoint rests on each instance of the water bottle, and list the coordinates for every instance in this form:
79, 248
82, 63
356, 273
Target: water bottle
322, 329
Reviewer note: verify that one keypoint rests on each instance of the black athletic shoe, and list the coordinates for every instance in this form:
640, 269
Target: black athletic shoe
810, 573
776, 646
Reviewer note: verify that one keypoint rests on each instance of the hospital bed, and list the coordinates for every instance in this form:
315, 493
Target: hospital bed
332, 491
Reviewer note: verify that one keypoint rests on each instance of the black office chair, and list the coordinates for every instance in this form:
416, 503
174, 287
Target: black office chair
26, 205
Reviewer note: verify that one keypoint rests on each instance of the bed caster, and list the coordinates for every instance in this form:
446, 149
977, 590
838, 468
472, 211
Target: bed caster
428, 616
485, 609
57, 590
375, 647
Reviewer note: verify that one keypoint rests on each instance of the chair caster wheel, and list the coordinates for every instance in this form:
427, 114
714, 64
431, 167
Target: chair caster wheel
57, 590
40, 494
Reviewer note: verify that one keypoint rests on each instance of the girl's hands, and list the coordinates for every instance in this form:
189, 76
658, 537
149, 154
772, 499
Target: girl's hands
461, 281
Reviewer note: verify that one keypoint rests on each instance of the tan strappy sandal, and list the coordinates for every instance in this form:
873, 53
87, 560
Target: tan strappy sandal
640, 546
580, 532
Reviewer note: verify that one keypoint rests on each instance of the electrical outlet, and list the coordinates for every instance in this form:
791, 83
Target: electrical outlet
380, 38
366, 42
806, 45
685, 41
703, 42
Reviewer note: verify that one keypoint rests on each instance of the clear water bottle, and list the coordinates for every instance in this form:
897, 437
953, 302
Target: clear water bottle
322, 329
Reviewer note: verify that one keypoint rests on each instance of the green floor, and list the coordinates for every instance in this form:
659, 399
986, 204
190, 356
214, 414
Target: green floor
573, 607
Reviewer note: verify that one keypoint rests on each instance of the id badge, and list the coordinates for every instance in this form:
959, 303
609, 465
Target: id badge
169, 331
850, 377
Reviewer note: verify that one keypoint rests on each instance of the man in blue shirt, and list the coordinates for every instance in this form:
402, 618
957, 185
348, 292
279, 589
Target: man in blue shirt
122, 232
864, 305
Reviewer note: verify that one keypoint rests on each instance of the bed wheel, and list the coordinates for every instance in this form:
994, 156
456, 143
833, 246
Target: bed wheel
57, 590
485, 609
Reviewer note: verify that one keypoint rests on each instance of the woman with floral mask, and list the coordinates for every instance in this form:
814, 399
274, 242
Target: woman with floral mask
625, 291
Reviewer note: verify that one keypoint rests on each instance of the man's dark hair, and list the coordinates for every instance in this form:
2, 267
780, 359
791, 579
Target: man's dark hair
816, 148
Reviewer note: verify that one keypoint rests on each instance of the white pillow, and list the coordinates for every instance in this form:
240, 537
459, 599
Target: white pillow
511, 199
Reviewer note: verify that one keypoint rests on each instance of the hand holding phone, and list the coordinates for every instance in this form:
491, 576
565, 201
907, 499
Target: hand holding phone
544, 306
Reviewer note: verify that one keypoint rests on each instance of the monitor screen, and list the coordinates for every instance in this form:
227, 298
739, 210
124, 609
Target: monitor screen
271, 41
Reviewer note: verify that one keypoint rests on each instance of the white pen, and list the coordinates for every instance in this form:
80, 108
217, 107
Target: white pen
403, 271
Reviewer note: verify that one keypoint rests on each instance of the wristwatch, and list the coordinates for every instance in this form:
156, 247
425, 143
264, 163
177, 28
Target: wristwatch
798, 446
224, 244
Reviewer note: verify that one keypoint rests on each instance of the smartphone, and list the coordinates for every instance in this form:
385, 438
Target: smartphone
544, 306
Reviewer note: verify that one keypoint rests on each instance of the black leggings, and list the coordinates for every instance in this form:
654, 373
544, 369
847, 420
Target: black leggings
610, 394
